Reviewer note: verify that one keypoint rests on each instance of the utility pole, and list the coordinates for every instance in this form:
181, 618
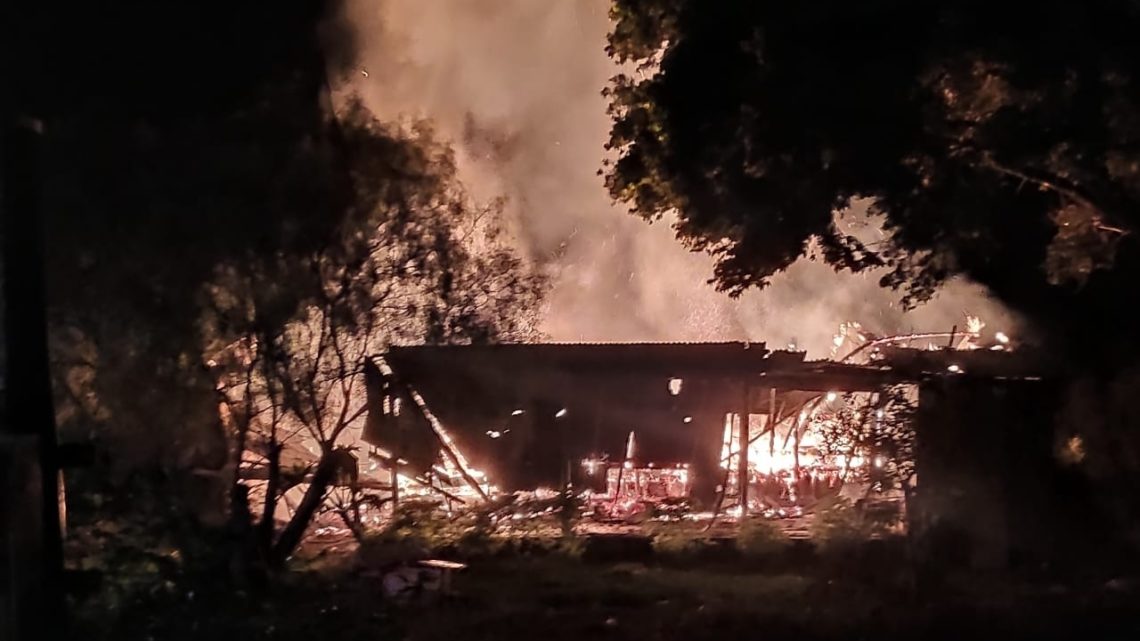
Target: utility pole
32, 558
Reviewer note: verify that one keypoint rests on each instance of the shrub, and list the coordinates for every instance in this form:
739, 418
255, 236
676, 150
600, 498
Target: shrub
840, 525
761, 538
673, 542
570, 546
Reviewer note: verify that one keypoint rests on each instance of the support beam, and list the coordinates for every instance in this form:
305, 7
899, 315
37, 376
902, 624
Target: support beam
394, 469
773, 420
727, 465
796, 425
742, 470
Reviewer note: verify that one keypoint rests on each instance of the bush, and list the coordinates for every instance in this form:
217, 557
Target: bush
761, 538
418, 529
131, 543
570, 547
674, 542
388, 548
840, 527
838, 523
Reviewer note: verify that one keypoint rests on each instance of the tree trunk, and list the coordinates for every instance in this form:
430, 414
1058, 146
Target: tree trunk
272, 486
293, 532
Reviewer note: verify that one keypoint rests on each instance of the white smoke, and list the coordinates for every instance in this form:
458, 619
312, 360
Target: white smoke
516, 85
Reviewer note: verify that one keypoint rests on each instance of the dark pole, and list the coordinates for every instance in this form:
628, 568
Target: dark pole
29, 407
394, 467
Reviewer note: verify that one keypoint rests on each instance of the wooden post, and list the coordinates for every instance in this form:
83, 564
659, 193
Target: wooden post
727, 464
621, 470
772, 426
796, 446
742, 470
394, 466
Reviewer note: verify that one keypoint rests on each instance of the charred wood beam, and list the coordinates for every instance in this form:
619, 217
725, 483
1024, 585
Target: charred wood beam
425, 482
434, 425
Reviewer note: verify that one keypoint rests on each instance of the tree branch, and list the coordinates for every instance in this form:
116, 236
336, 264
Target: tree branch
1063, 187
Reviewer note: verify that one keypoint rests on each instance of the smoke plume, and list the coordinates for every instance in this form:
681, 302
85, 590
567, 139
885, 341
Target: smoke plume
515, 85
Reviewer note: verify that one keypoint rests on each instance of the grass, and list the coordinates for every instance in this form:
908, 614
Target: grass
554, 597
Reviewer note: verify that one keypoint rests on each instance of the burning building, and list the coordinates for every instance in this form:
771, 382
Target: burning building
527, 416
725, 426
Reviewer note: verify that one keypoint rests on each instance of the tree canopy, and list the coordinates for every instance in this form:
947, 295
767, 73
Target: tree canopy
998, 141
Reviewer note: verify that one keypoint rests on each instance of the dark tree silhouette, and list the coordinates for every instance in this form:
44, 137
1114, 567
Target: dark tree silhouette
193, 133
192, 153
997, 140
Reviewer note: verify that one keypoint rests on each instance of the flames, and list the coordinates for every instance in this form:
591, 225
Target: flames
794, 447
783, 460
852, 343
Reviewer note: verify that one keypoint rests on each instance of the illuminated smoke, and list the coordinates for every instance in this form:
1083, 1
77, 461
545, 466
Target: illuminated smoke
515, 84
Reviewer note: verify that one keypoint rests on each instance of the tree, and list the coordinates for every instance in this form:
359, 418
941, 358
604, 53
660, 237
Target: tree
146, 157
992, 140
191, 134
878, 428
414, 261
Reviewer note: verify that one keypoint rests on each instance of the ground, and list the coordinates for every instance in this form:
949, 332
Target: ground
555, 596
